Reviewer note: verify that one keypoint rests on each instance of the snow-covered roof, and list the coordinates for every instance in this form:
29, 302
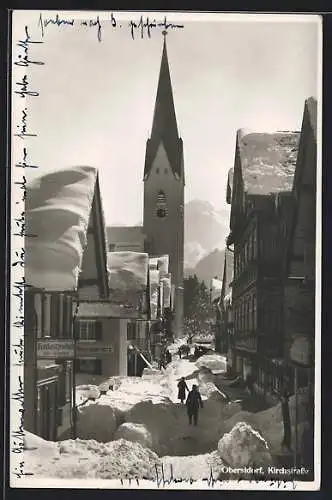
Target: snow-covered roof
57, 212
128, 270
268, 161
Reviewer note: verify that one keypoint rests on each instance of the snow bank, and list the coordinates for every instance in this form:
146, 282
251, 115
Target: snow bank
134, 432
85, 392
96, 421
57, 211
195, 467
269, 423
243, 446
214, 362
91, 459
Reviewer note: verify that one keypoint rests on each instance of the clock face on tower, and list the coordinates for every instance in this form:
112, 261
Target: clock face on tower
161, 208
161, 213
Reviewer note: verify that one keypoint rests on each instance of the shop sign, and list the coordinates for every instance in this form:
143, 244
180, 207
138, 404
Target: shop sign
55, 348
92, 349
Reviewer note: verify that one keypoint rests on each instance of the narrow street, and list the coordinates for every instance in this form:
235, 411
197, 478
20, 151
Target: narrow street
142, 419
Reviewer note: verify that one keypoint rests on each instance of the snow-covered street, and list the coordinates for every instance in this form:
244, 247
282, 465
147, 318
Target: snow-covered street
140, 424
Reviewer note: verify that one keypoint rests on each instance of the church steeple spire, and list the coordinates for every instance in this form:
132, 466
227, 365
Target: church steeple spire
164, 126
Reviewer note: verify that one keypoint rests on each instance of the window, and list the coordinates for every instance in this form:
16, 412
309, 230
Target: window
166, 171
89, 330
157, 170
91, 366
55, 320
67, 317
131, 331
161, 205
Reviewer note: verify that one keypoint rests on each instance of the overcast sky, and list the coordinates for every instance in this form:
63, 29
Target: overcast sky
97, 99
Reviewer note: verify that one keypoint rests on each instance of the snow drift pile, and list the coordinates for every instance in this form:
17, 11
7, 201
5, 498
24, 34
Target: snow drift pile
243, 446
269, 423
89, 459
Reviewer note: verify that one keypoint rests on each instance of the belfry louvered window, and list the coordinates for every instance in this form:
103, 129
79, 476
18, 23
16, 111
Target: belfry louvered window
161, 210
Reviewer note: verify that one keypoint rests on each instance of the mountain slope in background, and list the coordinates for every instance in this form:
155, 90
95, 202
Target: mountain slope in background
210, 266
205, 231
205, 234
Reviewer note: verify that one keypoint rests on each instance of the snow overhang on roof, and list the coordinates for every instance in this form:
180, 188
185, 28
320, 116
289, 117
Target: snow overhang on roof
268, 161
57, 212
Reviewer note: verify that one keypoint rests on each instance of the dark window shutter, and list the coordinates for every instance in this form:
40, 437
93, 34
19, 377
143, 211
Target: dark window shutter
65, 321
76, 328
98, 330
60, 314
54, 315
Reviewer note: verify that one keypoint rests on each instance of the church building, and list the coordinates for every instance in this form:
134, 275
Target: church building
163, 216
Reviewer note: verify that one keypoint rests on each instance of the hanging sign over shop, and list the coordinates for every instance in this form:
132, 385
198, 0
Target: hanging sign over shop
55, 348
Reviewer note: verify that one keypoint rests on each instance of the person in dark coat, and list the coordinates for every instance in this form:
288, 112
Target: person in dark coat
193, 403
182, 386
168, 356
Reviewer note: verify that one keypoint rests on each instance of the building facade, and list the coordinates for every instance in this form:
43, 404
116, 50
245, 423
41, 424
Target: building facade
259, 191
48, 383
101, 342
53, 259
163, 219
299, 317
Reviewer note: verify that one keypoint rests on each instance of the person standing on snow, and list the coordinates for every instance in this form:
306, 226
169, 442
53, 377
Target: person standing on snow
193, 403
182, 386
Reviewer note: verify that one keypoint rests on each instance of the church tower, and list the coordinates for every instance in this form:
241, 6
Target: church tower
163, 218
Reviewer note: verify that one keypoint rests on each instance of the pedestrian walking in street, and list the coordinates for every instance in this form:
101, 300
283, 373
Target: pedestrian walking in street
193, 403
180, 352
168, 356
182, 386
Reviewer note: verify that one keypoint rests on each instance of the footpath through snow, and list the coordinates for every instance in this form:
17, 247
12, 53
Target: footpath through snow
140, 425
